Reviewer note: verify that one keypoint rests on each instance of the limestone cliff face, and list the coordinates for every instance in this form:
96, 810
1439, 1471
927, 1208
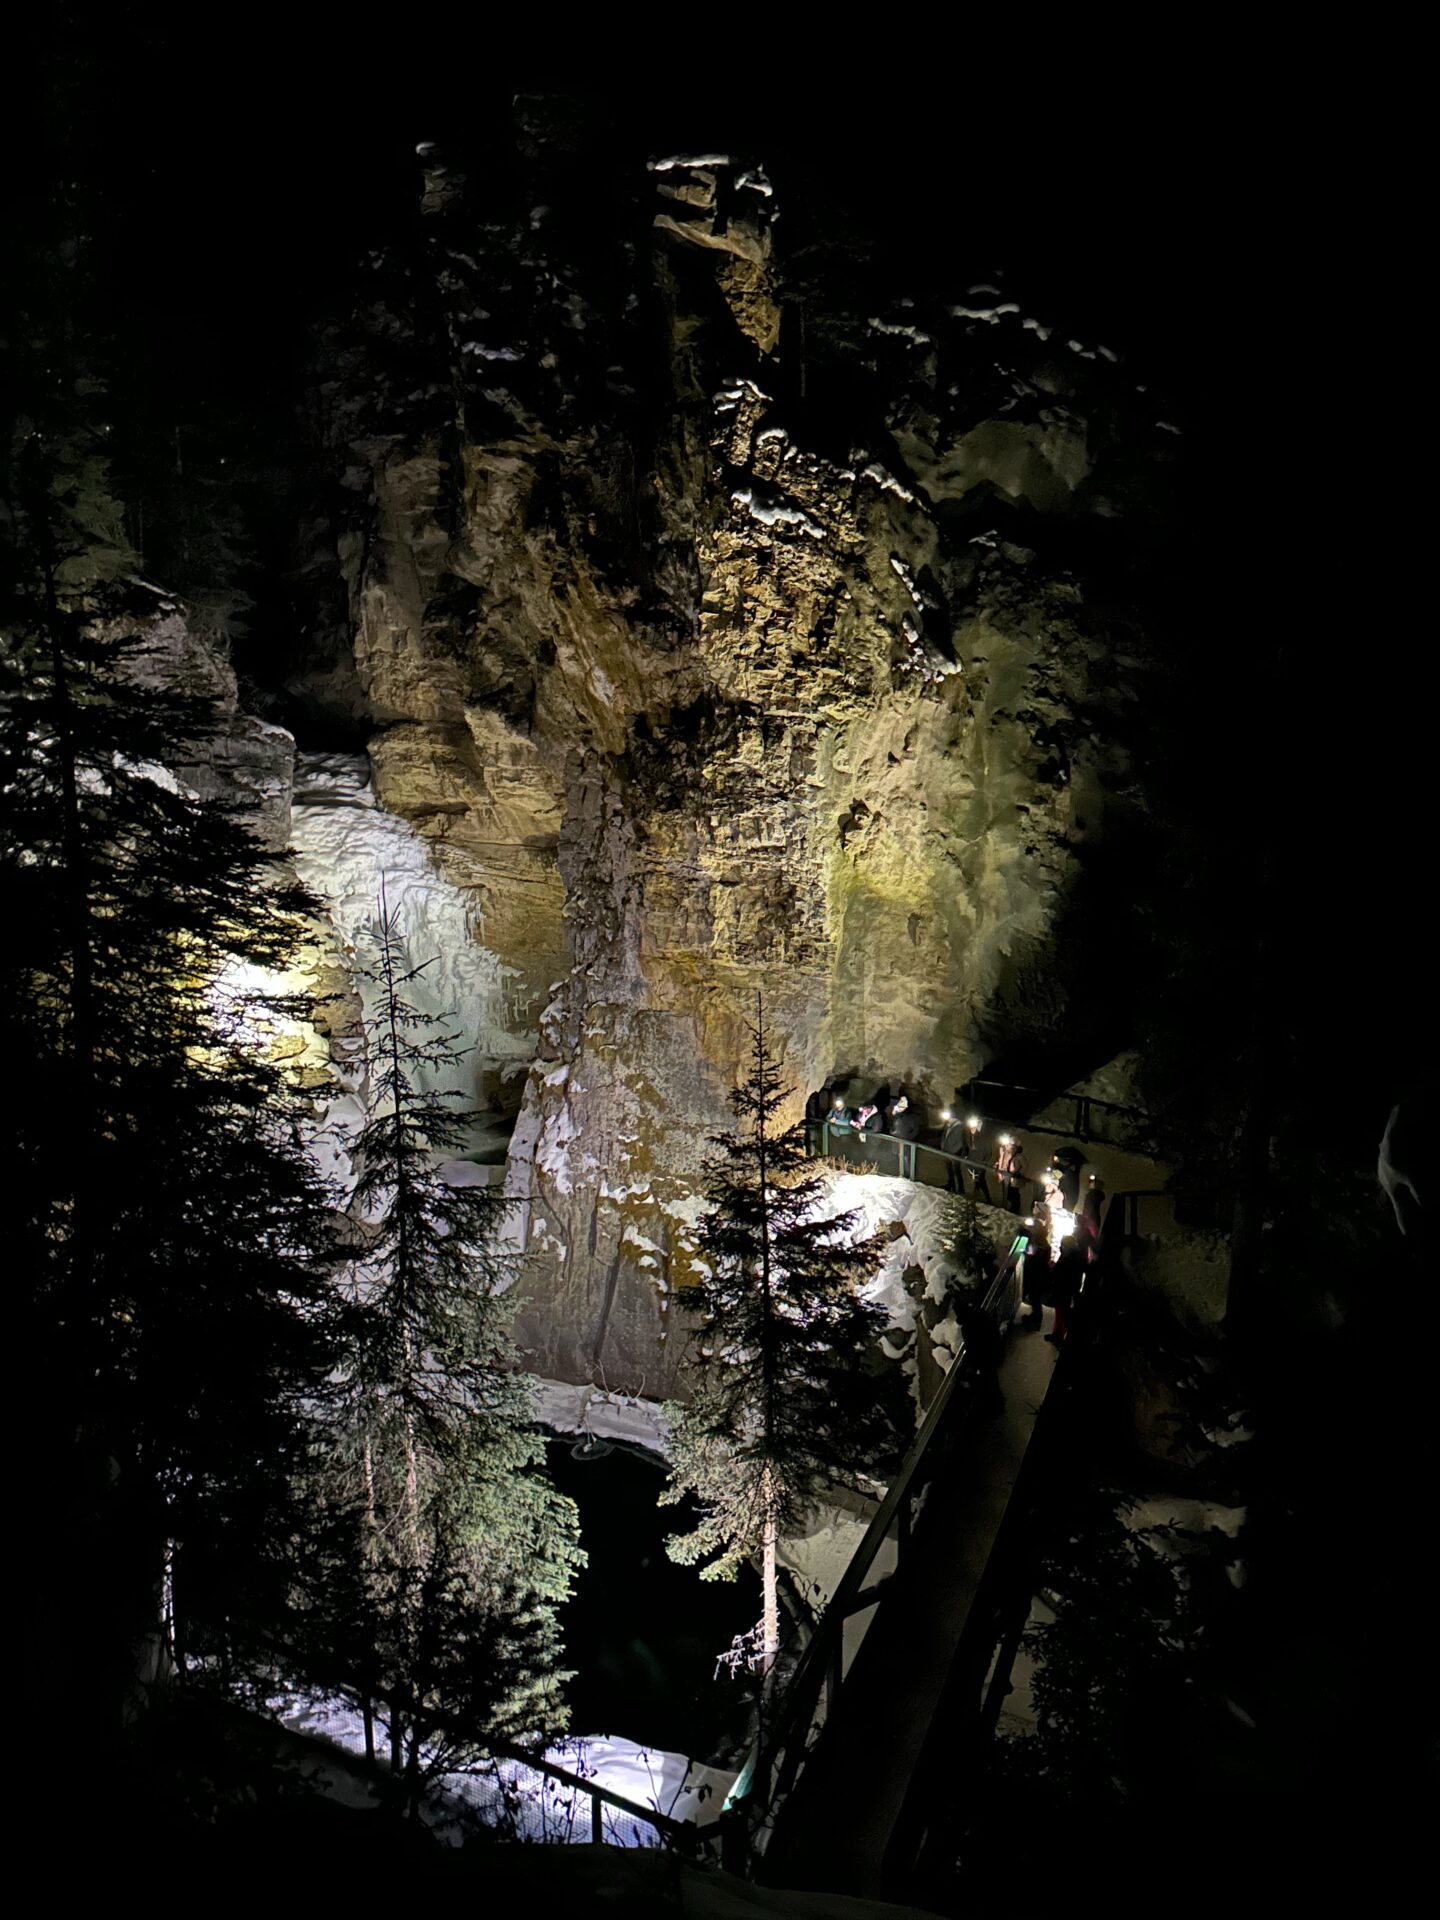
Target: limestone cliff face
702, 609
244, 765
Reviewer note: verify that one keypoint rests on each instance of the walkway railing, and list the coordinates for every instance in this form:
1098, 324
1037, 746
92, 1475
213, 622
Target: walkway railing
928, 1166
683, 1835
771, 1770
528, 1793
920, 1855
1088, 1109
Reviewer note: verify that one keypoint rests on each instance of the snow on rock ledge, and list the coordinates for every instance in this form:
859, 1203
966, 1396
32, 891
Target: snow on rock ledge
603, 1416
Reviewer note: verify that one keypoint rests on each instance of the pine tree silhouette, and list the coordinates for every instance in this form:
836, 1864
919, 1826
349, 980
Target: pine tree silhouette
454, 1548
170, 1234
782, 1401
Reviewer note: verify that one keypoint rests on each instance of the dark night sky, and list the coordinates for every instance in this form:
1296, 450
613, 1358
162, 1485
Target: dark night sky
241, 175
1235, 237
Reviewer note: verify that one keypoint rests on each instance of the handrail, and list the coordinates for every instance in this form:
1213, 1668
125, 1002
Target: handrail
1065, 1093
682, 1833
1089, 1107
915, 1147
1123, 1212
814, 1665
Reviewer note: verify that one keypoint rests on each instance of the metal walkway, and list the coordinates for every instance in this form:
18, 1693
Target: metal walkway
834, 1830
893, 1683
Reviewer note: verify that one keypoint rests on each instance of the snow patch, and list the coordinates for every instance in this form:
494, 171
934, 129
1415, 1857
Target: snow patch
817, 1559
907, 333
775, 514
674, 160
519, 1799
606, 1416
881, 1204
688, 1208
886, 482
992, 315
1183, 1514
668, 1782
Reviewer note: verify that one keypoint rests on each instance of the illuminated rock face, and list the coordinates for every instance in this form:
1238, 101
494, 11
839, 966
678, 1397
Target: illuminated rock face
245, 765
692, 703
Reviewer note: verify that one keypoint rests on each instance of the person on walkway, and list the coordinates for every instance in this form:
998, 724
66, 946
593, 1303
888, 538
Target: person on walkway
1035, 1277
955, 1141
1064, 1286
980, 1356
816, 1108
903, 1123
1019, 1180
1005, 1151
1009, 1164
1069, 1161
839, 1119
1094, 1208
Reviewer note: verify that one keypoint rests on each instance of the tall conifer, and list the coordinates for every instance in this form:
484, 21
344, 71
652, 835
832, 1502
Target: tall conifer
457, 1547
170, 1234
782, 1404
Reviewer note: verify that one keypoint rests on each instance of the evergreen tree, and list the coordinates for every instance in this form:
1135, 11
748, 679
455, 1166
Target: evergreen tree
455, 1548
1116, 1670
969, 1245
171, 1235
782, 1404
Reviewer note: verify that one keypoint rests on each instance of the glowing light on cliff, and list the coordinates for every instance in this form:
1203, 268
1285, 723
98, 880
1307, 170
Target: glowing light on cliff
248, 1004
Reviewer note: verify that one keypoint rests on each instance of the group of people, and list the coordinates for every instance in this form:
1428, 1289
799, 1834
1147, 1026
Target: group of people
1063, 1235
881, 1113
1062, 1207
964, 1141
974, 1162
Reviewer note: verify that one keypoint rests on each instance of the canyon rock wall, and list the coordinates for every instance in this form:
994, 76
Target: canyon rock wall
706, 606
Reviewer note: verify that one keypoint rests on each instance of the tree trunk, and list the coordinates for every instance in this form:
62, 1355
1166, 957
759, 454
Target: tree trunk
368, 1468
770, 1619
367, 1709
412, 1482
